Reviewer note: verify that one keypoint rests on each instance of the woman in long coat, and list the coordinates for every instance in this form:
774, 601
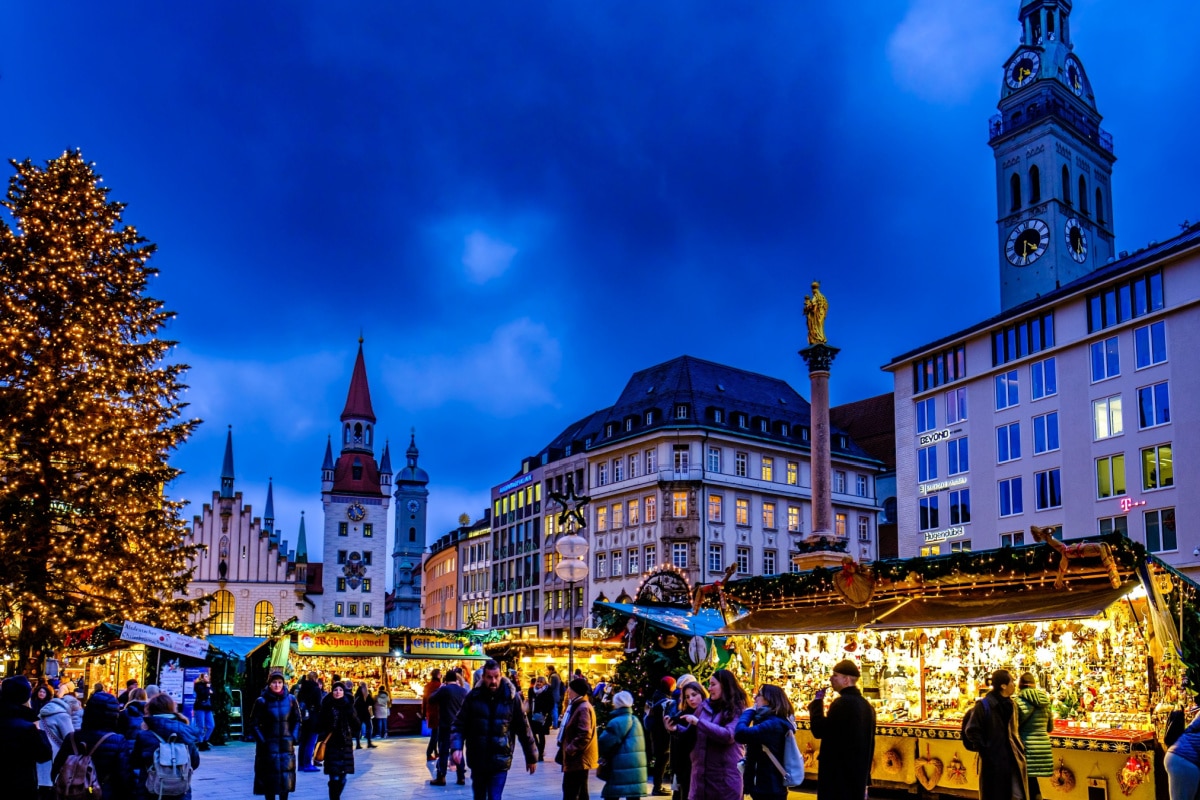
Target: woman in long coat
336, 726
1035, 720
274, 722
623, 745
715, 773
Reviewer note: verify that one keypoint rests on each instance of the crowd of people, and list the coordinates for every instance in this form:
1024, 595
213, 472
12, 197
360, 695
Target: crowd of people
694, 742
51, 745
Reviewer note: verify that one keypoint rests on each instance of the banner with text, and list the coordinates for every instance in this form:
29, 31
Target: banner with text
441, 647
343, 643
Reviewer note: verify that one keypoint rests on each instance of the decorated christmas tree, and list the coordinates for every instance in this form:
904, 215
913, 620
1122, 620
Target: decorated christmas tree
89, 414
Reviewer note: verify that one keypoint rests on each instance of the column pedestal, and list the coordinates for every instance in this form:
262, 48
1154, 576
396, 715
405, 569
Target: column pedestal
823, 548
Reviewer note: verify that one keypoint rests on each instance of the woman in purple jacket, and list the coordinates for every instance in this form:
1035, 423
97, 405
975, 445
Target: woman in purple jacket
715, 774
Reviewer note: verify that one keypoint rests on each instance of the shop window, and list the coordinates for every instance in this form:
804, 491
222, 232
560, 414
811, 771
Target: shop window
1160, 530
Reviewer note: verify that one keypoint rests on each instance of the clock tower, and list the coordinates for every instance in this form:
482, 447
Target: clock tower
411, 507
355, 494
1053, 162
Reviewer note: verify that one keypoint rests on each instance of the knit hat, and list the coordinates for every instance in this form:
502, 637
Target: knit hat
580, 686
684, 680
276, 676
846, 667
16, 690
667, 684
623, 700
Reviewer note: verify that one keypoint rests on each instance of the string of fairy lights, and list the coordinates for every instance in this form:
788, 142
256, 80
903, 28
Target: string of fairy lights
90, 414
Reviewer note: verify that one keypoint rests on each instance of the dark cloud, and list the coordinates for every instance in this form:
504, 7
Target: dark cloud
668, 178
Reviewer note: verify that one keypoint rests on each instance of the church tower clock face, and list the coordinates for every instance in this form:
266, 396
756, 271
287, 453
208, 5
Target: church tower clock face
1023, 69
1074, 74
1077, 244
1027, 242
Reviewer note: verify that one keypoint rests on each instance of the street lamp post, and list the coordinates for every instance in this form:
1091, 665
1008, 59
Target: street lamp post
573, 566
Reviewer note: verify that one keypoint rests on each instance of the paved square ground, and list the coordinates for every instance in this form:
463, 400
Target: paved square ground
395, 770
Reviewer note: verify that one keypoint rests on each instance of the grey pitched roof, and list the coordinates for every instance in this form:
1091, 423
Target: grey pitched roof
702, 386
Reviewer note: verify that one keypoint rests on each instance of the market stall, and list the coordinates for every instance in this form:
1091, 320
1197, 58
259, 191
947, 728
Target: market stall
112, 654
533, 657
1102, 638
400, 659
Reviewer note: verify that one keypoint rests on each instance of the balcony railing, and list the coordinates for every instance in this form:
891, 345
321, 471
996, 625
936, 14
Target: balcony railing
1044, 105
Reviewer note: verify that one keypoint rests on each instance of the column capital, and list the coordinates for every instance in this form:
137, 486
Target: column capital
819, 357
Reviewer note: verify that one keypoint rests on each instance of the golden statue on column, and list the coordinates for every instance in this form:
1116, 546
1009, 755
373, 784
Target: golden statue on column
815, 309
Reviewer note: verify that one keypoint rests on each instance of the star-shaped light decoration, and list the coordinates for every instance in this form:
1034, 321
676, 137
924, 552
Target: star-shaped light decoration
572, 507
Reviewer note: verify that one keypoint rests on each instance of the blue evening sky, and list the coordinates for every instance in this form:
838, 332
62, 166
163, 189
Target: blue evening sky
519, 204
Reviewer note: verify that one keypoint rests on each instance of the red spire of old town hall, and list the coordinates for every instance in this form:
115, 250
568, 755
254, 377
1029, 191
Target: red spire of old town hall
358, 401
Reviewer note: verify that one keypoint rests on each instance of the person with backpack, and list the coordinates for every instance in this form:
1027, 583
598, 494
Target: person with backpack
57, 724
764, 729
22, 745
657, 736
337, 725
273, 724
991, 730
166, 752
622, 750
93, 762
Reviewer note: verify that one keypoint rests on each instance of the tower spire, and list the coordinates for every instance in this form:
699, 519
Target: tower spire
227, 467
301, 543
269, 512
358, 399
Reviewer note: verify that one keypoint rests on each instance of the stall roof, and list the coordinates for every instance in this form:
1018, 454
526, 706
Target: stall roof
933, 612
676, 620
240, 646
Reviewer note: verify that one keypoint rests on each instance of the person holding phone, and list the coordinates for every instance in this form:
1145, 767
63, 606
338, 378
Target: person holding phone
683, 735
847, 735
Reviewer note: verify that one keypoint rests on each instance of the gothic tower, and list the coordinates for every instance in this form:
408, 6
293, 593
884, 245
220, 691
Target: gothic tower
411, 507
355, 496
1053, 162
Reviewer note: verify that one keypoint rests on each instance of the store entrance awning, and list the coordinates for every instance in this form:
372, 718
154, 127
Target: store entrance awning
932, 612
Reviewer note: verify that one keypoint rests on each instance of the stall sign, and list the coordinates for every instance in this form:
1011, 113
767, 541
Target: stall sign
443, 647
591, 634
944, 534
137, 633
170, 680
348, 643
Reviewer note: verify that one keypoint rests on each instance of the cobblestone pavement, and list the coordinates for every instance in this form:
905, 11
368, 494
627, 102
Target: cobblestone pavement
395, 770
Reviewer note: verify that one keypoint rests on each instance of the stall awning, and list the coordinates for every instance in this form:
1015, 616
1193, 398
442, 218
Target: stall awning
239, 646
933, 612
678, 621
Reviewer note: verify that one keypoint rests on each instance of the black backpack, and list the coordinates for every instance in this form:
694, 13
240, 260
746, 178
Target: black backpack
967, 744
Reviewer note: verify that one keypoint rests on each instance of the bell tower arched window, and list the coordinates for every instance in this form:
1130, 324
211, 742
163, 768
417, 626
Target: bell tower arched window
1014, 192
221, 612
1082, 195
1099, 206
1066, 185
1035, 185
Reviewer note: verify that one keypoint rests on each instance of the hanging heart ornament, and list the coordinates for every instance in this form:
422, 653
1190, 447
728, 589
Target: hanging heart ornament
929, 771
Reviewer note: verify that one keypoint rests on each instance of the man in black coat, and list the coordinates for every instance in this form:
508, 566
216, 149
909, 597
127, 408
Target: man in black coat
448, 699
847, 737
482, 726
309, 696
22, 745
991, 730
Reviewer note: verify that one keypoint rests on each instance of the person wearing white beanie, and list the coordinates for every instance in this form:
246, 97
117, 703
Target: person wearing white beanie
623, 750
623, 700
